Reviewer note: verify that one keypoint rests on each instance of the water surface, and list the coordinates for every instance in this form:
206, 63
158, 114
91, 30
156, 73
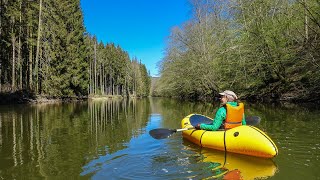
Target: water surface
110, 140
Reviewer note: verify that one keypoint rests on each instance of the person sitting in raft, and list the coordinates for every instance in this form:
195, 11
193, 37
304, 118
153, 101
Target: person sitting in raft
229, 115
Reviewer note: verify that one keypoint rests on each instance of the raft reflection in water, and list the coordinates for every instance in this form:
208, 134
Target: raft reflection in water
235, 166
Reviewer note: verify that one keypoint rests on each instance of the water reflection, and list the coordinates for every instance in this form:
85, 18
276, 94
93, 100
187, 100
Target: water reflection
103, 139
234, 166
56, 140
115, 122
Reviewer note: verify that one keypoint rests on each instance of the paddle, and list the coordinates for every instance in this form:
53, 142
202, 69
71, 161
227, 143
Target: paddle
162, 133
253, 120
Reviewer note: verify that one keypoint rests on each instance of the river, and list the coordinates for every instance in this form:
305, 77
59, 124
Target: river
109, 139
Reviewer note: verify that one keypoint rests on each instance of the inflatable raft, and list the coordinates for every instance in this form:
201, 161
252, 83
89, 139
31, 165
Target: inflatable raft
247, 140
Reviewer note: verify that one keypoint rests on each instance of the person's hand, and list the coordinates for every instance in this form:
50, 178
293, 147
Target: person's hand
197, 127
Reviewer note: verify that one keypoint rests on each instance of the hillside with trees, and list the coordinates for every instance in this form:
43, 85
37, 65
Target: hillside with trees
260, 49
46, 51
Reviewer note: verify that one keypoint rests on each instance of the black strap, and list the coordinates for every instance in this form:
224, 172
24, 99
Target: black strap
201, 137
225, 148
234, 122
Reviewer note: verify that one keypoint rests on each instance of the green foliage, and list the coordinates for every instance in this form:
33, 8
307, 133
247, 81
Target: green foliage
64, 66
256, 48
113, 73
146, 81
45, 50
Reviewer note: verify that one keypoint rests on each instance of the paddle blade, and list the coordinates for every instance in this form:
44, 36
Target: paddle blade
199, 119
253, 120
161, 133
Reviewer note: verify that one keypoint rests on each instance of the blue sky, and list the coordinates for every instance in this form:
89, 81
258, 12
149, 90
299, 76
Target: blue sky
140, 27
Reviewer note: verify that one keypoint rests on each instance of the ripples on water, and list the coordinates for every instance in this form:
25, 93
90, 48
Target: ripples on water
296, 133
110, 140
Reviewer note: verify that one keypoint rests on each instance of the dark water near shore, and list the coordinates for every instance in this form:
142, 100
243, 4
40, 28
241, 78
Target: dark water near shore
110, 140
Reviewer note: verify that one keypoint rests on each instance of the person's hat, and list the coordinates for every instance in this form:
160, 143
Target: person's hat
229, 93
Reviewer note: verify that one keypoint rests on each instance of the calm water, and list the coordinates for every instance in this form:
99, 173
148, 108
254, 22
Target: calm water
110, 140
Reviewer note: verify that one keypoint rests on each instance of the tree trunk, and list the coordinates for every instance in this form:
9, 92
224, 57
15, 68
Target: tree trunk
1, 15
1, 55
95, 67
134, 82
19, 49
38, 48
90, 76
105, 83
100, 78
0, 77
13, 39
306, 20
125, 85
30, 62
109, 84
112, 86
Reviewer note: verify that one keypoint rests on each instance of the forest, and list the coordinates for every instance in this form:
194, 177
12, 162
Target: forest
46, 51
261, 49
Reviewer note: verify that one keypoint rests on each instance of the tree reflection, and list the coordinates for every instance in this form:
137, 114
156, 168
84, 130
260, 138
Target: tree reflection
58, 139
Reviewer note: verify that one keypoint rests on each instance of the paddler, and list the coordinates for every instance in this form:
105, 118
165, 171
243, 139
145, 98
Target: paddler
229, 115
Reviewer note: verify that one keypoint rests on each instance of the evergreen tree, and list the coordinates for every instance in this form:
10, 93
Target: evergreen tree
64, 69
45, 50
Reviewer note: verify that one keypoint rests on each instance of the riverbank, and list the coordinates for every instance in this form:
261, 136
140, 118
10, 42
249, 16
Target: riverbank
268, 99
104, 97
24, 97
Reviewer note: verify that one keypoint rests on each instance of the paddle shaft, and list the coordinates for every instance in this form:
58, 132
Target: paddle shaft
162, 133
184, 129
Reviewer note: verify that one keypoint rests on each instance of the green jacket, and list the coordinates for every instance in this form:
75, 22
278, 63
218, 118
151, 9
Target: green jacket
219, 118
